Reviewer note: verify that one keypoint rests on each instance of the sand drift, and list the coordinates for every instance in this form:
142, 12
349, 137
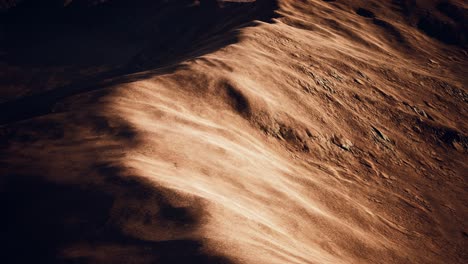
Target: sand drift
233, 131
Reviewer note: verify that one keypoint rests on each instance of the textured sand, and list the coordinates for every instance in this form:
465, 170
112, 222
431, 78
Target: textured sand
289, 132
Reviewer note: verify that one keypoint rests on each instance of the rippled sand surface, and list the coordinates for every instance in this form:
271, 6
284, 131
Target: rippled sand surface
253, 132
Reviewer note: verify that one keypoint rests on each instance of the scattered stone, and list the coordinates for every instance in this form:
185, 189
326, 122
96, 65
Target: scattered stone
307, 71
357, 97
419, 111
456, 92
358, 81
343, 143
383, 175
366, 163
309, 133
429, 104
417, 129
379, 134
362, 75
325, 84
457, 146
347, 145
335, 75
306, 87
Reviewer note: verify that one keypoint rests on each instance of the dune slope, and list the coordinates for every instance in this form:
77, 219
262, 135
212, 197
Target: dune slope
257, 132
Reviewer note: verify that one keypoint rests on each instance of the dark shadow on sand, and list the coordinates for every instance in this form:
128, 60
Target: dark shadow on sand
47, 222
119, 41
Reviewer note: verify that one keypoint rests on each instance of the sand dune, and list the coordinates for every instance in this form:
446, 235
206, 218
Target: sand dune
247, 132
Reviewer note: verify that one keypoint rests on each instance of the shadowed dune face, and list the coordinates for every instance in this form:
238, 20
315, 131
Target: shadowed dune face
444, 20
116, 32
83, 45
46, 222
334, 133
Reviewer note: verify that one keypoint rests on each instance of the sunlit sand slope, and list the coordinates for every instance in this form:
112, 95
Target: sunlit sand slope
312, 132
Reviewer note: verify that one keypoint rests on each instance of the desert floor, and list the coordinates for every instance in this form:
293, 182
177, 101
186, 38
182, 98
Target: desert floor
271, 132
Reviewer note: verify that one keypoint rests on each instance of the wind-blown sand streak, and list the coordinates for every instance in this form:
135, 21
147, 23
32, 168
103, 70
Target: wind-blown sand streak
326, 132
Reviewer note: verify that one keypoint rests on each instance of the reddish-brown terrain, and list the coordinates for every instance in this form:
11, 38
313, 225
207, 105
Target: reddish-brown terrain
271, 132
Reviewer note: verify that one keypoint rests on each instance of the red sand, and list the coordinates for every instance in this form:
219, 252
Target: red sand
302, 132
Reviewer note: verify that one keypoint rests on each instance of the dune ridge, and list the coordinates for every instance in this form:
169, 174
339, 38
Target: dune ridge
312, 132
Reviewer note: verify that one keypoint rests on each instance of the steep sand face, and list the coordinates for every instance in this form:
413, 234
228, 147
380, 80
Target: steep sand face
333, 133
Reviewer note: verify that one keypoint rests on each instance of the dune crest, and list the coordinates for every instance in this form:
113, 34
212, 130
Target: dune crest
254, 132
